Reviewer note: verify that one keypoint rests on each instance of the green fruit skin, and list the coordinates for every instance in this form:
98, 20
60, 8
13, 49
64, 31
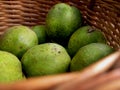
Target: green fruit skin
45, 59
82, 37
17, 40
89, 54
10, 68
62, 20
40, 31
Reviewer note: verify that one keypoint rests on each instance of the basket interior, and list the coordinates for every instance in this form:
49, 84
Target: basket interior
102, 14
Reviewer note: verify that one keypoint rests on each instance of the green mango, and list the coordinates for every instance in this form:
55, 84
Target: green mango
10, 68
83, 36
89, 54
45, 59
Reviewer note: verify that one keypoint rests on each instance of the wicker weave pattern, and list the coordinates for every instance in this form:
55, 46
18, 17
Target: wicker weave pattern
16, 12
102, 14
106, 17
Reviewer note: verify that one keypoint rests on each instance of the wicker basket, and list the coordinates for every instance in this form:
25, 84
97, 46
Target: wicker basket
102, 14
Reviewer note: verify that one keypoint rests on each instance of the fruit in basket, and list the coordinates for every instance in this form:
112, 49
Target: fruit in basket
40, 31
10, 68
45, 59
62, 20
89, 54
83, 36
17, 40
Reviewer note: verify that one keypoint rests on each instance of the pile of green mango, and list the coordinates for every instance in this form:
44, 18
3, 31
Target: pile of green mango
63, 44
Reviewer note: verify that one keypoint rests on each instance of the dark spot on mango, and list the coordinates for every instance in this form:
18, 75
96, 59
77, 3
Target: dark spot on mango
91, 30
59, 51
